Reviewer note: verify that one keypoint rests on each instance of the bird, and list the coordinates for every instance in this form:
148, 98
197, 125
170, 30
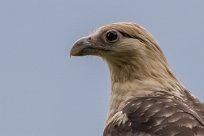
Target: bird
146, 98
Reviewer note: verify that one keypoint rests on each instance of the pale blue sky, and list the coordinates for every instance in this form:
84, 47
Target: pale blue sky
45, 93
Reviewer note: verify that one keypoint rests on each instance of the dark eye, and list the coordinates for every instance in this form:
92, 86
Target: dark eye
112, 36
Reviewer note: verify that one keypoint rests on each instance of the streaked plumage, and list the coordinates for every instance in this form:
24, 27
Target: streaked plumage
146, 98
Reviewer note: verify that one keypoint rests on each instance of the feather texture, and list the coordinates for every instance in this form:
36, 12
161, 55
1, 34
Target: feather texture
157, 116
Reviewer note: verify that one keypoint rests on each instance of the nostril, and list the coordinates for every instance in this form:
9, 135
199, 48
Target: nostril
89, 39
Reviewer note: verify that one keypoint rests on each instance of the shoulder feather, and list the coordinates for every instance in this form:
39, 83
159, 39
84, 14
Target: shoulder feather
155, 116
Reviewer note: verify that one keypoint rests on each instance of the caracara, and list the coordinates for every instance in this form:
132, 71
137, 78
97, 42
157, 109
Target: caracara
146, 99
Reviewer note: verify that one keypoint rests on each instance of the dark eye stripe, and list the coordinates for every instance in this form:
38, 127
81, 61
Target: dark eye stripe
135, 37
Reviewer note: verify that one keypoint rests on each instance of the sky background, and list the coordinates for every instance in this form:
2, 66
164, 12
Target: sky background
44, 92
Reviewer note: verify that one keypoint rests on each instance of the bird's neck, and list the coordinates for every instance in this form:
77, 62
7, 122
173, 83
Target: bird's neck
131, 86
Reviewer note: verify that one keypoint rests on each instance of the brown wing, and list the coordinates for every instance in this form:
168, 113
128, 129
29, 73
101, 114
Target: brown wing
195, 104
157, 116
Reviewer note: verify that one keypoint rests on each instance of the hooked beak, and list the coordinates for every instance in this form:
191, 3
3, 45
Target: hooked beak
85, 46
81, 47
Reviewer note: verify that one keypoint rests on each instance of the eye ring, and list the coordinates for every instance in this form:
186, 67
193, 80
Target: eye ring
112, 36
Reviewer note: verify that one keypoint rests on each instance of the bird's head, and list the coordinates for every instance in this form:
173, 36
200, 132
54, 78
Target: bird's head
130, 51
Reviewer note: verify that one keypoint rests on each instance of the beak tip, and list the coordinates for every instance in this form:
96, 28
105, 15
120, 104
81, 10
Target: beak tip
79, 47
74, 52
